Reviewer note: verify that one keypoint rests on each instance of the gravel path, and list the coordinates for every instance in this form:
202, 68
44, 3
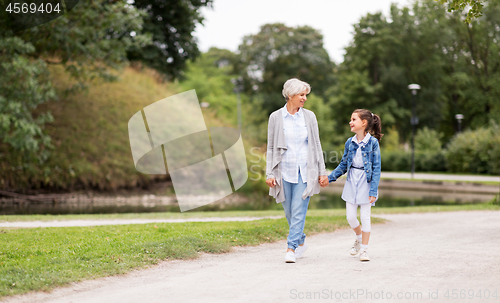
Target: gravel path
421, 257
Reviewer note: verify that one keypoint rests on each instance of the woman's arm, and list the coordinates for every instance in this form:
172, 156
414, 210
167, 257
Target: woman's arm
319, 149
270, 145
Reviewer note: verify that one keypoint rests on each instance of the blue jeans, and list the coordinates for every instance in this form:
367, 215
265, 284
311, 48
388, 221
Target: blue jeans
295, 211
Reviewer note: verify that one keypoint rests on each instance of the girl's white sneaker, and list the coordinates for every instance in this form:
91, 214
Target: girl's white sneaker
363, 256
355, 247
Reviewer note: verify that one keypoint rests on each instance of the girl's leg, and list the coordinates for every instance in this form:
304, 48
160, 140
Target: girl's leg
351, 214
352, 217
365, 213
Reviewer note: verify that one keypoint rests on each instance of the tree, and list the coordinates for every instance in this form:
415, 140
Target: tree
171, 23
278, 53
24, 85
87, 41
475, 7
455, 64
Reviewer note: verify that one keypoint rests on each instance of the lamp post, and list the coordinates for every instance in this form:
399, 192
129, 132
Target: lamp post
414, 121
459, 117
238, 88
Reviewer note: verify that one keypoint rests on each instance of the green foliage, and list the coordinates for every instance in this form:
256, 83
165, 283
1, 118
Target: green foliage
278, 53
212, 81
475, 7
475, 151
496, 200
90, 39
456, 64
89, 135
87, 41
327, 134
390, 141
24, 85
171, 24
425, 161
428, 140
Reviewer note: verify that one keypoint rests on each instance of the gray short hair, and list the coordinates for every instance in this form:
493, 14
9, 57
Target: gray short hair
294, 87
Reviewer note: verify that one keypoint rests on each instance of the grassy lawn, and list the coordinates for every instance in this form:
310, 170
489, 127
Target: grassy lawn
248, 213
43, 258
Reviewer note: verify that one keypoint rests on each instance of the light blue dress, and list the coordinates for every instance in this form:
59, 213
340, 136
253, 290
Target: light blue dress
356, 187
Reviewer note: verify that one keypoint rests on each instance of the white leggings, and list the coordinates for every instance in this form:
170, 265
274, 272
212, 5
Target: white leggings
351, 214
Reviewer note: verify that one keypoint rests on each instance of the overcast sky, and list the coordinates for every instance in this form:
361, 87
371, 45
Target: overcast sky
230, 20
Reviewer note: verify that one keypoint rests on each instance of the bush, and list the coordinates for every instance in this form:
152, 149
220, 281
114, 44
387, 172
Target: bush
428, 139
475, 151
424, 161
496, 200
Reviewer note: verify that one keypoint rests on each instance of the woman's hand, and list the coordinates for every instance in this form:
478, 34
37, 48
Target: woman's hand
372, 199
271, 182
323, 181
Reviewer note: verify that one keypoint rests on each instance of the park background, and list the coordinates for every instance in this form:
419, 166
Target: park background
69, 87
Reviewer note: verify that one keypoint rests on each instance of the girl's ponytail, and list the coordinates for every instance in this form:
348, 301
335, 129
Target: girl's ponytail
374, 126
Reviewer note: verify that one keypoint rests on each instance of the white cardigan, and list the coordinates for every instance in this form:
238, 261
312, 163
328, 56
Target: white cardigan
276, 146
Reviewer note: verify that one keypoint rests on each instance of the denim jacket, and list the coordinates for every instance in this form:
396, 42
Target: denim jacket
371, 163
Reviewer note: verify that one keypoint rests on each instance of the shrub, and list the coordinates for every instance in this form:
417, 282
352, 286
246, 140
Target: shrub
475, 151
424, 161
428, 139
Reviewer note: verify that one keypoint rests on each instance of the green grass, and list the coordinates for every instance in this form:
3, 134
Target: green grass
43, 258
247, 213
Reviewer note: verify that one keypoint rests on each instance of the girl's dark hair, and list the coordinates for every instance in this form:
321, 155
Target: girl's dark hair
374, 126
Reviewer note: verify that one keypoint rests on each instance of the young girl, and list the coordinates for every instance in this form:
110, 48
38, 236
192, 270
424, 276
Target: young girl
361, 161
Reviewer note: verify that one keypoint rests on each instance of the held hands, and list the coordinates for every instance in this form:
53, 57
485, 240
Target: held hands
323, 181
271, 182
372, 199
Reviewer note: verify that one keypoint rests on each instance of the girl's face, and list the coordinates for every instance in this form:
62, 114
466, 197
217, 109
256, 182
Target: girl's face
357, 125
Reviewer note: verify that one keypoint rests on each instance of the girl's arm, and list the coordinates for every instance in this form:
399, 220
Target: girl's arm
376, 167
342, 167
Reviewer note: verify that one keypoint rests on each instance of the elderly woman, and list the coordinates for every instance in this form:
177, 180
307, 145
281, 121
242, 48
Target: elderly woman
295, 163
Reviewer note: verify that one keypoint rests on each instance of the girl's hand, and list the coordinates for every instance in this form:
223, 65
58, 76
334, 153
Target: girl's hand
372, 199
271, 182
323, 181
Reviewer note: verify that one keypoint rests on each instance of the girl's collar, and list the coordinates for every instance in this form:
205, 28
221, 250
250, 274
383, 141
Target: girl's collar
365, 140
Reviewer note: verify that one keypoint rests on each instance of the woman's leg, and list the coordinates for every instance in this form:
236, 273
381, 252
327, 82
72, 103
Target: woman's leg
298, 211
287, 204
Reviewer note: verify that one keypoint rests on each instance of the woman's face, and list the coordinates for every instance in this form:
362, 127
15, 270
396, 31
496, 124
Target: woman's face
299, 99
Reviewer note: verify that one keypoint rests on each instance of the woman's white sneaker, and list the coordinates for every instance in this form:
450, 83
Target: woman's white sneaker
300, 250
363, 256
290, 257
355, 247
